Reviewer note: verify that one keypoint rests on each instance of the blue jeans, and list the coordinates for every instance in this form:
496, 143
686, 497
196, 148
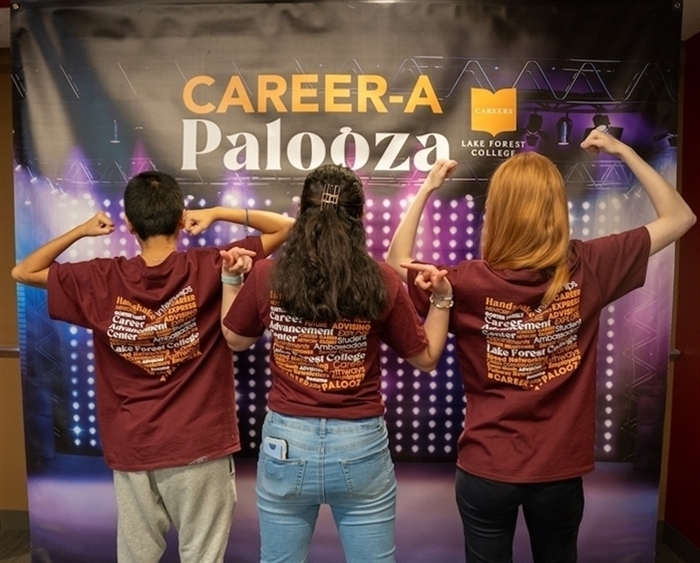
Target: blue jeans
343, 463
489, 511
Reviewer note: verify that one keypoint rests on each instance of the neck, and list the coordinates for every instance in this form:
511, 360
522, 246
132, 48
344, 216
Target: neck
156, 249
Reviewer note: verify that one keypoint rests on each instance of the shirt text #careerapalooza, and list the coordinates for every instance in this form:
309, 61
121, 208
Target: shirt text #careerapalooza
301, 95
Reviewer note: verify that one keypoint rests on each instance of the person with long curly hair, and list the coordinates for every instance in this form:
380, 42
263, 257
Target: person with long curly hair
328, 305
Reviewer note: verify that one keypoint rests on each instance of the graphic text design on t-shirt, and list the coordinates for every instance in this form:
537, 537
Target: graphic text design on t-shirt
529, 348
157, 341
322, 356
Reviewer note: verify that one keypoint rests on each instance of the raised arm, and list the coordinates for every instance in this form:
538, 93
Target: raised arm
674, 215
436, 323
401, 247
273, 227
34, 269
236, 263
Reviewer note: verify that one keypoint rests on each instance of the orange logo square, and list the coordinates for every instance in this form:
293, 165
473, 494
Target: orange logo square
494, 112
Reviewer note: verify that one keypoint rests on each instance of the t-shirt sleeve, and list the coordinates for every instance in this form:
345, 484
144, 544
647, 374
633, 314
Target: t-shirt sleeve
244, 317
71, 292
619, 261
402, 330
253, 243
419, 297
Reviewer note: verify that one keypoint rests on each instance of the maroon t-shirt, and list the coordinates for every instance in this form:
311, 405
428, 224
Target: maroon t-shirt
529, 374
326, 369
164, 373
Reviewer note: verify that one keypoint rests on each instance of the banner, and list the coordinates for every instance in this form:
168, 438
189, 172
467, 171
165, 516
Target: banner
240, 100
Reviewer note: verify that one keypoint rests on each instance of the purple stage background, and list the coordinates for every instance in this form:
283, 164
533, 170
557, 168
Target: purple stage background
239, 100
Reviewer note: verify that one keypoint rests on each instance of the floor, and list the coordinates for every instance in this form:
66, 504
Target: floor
428, 527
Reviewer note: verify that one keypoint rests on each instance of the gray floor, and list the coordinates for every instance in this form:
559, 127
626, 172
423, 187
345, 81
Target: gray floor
425, 497
14, 548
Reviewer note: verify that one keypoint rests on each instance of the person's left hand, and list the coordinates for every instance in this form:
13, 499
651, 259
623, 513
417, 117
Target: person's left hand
430, 278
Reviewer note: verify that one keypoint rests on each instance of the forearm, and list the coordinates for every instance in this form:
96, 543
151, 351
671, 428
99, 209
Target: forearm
401, 247
674, 215
34, 269
229, 293
273, 227
266, 222
436, 327
403, 241
269, 223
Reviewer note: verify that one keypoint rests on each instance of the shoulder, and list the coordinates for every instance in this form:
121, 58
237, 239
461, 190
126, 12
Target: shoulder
626, 241
471, 272
97, 265
253, 243
260, 275
391, 277
262, 268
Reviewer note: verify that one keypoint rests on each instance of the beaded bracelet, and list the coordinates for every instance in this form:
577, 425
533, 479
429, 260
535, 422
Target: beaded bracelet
232, 280
441, 302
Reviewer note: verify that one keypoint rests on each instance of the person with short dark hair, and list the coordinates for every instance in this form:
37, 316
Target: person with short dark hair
164, 374
328, 306
525, 321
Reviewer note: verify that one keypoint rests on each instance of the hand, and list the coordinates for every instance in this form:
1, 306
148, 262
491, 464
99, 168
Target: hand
598, 141
98, 225
197, 220
236, 261
441, 170
429, 278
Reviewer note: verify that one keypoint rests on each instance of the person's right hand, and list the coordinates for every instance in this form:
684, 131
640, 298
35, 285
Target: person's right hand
441, 170
236, 261
198, 220
98, 225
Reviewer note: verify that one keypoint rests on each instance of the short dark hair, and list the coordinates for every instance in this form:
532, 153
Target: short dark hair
324, 272
153, 204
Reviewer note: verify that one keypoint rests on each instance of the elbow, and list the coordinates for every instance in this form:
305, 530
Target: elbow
394, 261
21, 275
17, 274
686, 222
228, 337
236, 342
287, 224
424, 363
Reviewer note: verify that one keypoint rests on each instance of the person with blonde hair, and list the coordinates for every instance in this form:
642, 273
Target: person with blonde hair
525, 321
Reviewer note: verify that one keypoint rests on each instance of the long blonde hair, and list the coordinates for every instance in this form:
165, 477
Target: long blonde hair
527, 219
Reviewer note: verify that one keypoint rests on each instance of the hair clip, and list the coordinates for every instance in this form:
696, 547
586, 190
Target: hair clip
331, 193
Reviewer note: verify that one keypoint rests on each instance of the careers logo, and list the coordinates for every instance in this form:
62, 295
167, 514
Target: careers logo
494, 112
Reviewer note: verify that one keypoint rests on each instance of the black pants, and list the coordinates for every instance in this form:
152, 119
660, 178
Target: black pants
489, 511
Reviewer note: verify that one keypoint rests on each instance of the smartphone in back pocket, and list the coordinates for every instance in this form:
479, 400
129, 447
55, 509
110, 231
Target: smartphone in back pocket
275, 447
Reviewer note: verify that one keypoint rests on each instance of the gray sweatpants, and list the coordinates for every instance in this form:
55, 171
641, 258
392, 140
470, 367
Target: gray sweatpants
197, 499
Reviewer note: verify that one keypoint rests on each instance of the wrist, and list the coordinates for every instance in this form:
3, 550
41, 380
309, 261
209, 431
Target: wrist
425, 190
231, 279
441, 301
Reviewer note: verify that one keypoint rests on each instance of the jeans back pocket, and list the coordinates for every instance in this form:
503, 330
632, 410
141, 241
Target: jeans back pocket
281, 478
